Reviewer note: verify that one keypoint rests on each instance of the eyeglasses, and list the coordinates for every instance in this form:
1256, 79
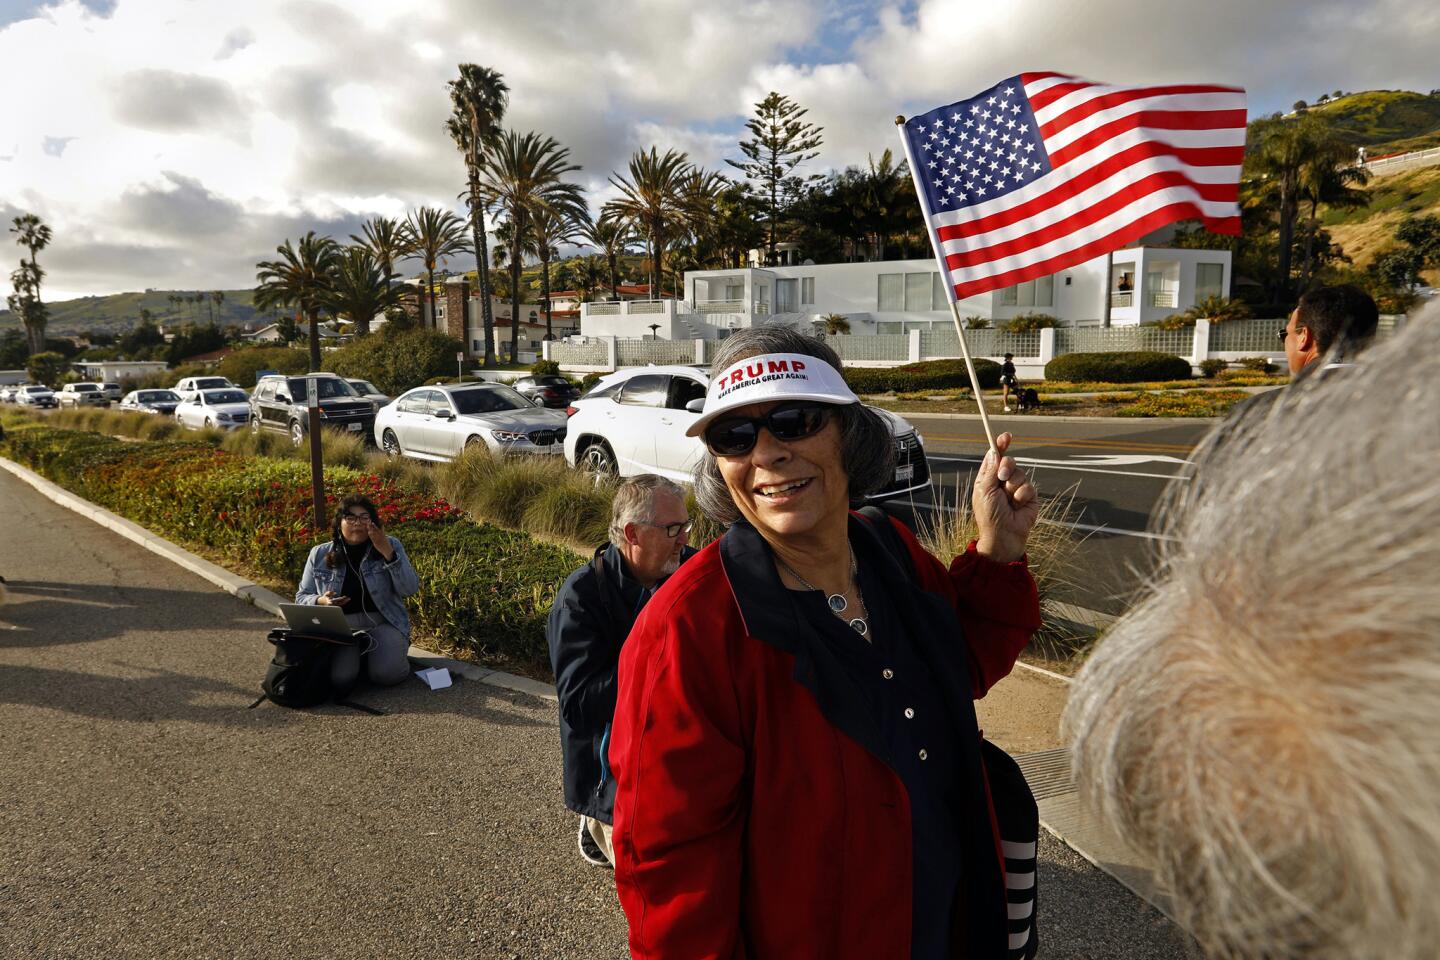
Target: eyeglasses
672, 530
734, 436
356, 517
1284, 333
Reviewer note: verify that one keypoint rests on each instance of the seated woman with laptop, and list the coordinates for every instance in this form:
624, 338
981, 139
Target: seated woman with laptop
365, 573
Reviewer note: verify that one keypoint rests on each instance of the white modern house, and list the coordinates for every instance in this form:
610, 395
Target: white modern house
1145, 284
116, 370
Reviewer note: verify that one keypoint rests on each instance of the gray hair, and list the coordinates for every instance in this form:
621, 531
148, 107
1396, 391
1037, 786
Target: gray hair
635, 502
1261, 726
867, 448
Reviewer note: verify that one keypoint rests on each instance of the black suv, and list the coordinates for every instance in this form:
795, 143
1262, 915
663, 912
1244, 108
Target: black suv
279, 403
555, 390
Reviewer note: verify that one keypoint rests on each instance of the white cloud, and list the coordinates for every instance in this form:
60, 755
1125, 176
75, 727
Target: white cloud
186, 138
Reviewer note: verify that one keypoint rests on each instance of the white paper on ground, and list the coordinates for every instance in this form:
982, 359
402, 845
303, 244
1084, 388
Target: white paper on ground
436, 678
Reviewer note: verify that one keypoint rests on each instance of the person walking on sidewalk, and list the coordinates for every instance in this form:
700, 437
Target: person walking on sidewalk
365, 573
1008, 381
591, 617
800, 772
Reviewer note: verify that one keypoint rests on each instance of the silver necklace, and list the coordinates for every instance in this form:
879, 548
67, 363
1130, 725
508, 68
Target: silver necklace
836, 601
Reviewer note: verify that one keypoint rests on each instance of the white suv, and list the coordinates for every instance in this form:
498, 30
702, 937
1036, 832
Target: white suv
82, 395
189, 387
634, 421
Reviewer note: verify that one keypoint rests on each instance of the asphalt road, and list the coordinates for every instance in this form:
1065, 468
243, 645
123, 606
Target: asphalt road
1118, 470
146, 813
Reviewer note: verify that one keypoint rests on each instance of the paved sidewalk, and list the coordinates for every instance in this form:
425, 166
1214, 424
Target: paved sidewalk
145, 813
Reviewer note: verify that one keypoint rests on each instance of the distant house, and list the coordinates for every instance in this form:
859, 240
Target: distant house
114, 371
269, 334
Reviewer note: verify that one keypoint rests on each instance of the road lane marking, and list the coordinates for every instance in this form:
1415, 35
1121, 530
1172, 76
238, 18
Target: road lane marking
1061, 465
1126, 446
1086, 527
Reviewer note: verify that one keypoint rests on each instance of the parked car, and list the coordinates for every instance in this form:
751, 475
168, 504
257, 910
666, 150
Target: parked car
188, 387
151, 401
279, 403
368, 390
112, 391
436, 423
10, 392
82, 395
555, 390
226, 409
36, 395
634, 421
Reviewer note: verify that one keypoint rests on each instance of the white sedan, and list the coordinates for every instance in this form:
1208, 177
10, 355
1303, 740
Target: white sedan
634, 421
224, 409
436, 423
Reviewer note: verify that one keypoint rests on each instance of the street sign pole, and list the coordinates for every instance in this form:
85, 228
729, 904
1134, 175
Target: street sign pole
317, 467
460, 366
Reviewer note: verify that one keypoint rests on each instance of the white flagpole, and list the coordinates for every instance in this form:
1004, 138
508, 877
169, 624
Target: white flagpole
949, 290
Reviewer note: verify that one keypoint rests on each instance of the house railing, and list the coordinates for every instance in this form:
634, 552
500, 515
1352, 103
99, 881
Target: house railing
1122, 298
1161, 298
720, 306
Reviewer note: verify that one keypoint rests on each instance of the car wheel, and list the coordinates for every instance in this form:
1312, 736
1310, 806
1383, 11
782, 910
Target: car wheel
597, 459
474, 441
297, 432
390, 444
209, 424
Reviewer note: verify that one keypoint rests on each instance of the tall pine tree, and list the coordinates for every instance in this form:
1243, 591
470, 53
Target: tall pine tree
781, 140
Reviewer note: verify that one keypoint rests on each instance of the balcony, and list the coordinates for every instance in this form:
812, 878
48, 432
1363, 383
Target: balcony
1160, 298
720, 306
1122, 298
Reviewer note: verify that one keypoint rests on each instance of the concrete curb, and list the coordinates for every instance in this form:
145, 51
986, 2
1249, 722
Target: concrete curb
252, 593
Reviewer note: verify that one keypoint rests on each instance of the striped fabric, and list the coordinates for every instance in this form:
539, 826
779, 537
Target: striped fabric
1044, 171
1020, 886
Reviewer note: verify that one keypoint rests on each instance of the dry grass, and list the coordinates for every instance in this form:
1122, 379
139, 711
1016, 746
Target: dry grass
1053, 551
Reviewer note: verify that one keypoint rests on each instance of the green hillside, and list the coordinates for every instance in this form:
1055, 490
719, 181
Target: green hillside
121, 311
1386, 121
1393, 197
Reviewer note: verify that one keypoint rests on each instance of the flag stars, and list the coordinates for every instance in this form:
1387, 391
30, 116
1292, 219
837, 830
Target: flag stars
975, 109
1015, 108
938, 123
970, 123
980, 191
1024, 127
1020, 174
1009, 91
1034, 166
957, 117
1029, 148
934, 134
991, 101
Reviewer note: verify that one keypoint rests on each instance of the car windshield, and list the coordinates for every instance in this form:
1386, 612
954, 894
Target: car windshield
364, 386
35, 389
211, 383
156, 396
327, 388
214, 397
552, 381
77, 387
492, 399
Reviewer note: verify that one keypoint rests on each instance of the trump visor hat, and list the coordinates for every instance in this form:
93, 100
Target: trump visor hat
772, 376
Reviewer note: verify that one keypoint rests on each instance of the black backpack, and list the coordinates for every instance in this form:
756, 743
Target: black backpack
299, 672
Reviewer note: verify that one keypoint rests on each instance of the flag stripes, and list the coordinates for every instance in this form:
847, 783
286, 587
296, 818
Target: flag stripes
1078, 169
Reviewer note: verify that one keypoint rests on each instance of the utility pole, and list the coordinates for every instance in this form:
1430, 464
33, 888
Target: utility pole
317, 466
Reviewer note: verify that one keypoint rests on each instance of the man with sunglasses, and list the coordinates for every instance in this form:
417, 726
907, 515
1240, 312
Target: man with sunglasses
592, 616
1329, 324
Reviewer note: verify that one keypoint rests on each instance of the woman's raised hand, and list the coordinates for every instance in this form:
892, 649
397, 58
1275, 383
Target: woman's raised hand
1005, 504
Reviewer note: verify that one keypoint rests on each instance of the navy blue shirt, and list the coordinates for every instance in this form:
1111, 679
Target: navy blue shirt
900, 700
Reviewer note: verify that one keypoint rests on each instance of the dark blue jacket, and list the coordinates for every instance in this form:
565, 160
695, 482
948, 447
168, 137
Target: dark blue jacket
590, 620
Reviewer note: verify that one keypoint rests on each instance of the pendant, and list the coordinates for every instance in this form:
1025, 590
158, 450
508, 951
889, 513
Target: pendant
860, 627
837, 603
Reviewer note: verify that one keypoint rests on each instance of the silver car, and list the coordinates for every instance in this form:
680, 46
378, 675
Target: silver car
151, 401
436, 423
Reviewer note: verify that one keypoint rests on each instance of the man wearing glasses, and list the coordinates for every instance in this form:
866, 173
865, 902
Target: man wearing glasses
592, 616
1330, 324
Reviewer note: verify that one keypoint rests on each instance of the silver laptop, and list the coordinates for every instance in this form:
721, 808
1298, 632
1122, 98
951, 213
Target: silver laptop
312, 618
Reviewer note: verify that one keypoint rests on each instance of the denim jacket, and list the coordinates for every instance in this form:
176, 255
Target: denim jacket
388, 583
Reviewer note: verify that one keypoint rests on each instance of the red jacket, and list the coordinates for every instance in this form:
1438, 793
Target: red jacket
746, 824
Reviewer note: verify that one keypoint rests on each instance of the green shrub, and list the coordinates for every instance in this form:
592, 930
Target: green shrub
1026, 322
574, 509
47, 367
244, 365
1258, 364
926, 375
1213, 367
590, 379
545, 368
1118, 367
341, 448
396, 360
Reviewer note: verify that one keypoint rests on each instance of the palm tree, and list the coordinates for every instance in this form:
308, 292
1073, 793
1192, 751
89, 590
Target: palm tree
388, 240
217, 297
522, 177
300, 278
652, 198
1330, 176
479, 98
1275, 157
360, 289
437, 234
562, 220
612, 235
34, 235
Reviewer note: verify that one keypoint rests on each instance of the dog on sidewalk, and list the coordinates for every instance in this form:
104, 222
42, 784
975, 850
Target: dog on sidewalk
1028, 399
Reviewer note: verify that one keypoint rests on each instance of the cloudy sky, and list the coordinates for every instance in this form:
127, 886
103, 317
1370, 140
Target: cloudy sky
172, 143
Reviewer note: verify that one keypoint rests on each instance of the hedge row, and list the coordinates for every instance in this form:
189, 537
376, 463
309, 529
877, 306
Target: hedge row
483, 589
926, 375
1119, 367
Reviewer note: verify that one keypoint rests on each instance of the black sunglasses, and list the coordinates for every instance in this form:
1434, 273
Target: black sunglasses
734, 436
1284, 333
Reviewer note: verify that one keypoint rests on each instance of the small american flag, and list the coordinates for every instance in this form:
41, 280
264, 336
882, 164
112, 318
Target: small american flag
1043, 171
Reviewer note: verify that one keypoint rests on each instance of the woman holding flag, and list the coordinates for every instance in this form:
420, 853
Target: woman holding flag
800, 772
